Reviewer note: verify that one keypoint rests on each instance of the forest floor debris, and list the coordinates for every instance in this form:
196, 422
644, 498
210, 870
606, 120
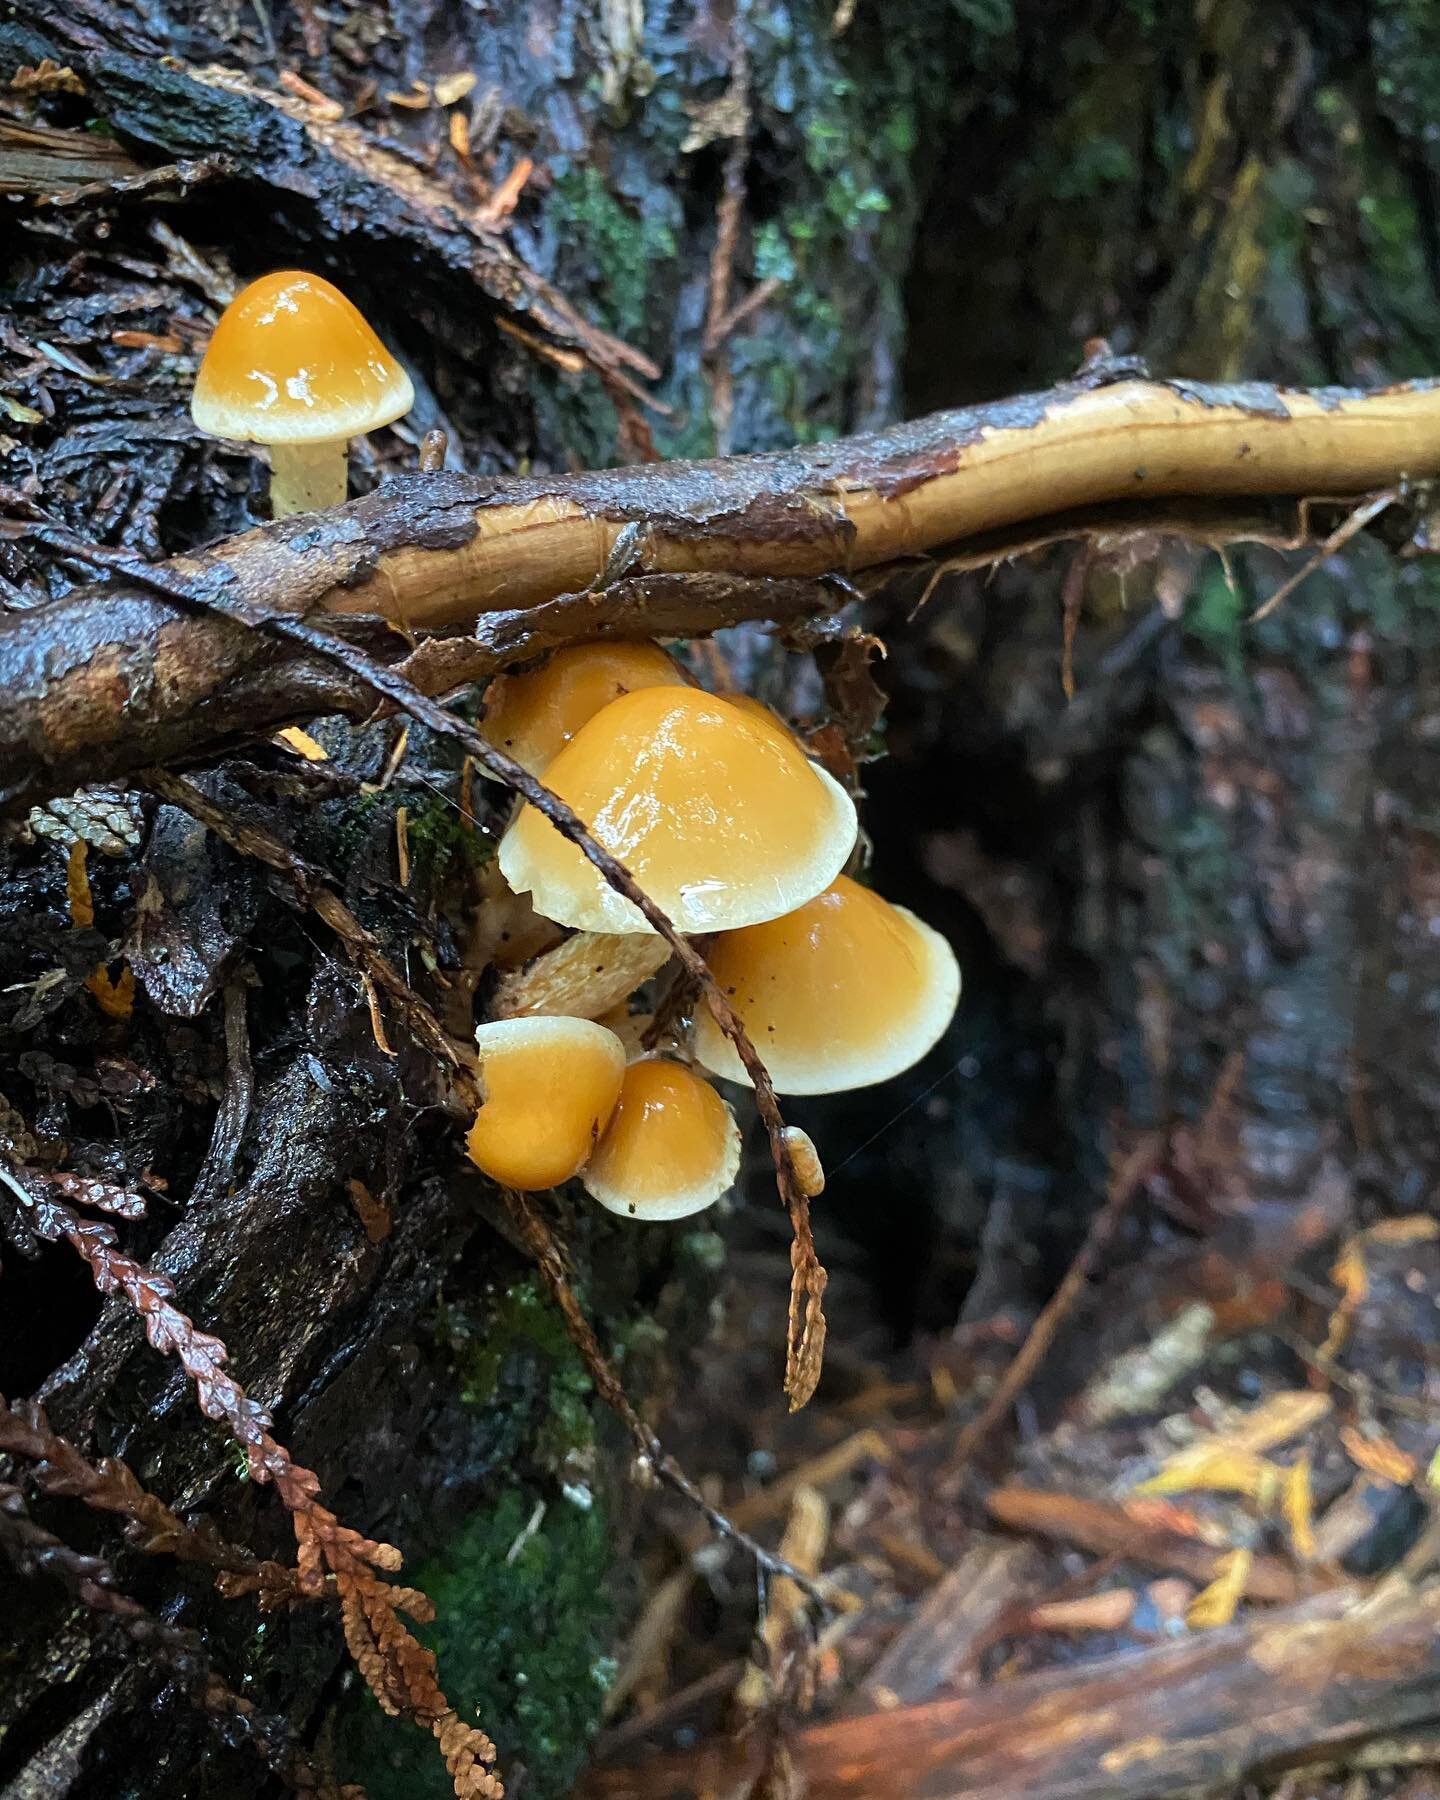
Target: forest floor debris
1167, 1572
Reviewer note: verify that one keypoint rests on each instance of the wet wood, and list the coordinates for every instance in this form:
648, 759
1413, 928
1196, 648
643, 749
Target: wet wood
1208, 1712
139, 669
957, 1613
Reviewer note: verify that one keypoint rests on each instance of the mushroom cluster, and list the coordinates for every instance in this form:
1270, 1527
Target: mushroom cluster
713, 805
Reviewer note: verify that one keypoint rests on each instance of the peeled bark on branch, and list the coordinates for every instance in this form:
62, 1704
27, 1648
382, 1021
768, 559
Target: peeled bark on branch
113, 677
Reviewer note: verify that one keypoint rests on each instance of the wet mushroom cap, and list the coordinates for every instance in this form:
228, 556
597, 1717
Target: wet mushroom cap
550, 1087
672, 1146
534, 715
292, 361
846, 991
720, 817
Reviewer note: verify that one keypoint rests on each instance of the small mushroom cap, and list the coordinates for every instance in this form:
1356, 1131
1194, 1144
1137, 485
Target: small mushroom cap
550, 1087
292, 361
846, 991
720, 818
672, 1146
533, 716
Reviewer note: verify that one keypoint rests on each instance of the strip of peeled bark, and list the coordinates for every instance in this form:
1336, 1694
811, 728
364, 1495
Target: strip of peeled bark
109, 678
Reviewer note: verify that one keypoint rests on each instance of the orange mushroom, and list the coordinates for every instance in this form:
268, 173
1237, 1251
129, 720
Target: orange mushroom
672, 1146
720, 817
845, 991
534, 715
293, 364
550, 1087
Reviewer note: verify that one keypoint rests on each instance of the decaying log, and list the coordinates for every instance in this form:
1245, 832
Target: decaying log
114, 676
1207, 1713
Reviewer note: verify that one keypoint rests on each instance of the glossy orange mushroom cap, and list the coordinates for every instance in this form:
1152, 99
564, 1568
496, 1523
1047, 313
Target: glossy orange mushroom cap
550, 1087
719, 816
533, 716
843, 992
292, 361
672, 1146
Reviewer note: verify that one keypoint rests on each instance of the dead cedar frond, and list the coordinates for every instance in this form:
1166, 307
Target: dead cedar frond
399, 1670
110, 1485
91, 1581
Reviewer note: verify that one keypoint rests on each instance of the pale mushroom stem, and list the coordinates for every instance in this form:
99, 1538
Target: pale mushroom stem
305, 477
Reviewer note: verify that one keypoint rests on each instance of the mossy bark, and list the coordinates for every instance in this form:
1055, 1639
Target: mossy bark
419, 1372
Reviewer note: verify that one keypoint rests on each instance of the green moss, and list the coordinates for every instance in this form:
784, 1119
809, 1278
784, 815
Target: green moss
622, 244
442, 840
525, 1348
522, 1633
524, 1620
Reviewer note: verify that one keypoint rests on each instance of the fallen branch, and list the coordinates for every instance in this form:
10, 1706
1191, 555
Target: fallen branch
111, 676
1203, 1715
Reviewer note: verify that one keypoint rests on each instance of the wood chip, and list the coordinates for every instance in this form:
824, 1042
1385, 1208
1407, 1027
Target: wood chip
932, 1649
1109, 1610
1109, 1530
450, 88
581, 978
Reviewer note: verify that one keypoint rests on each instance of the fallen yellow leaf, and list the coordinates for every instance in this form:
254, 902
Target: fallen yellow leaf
1215, 1605
1414, 1228
1276, 1420
1297, 1506
1216, 1468
1378, 1455
1349, 1275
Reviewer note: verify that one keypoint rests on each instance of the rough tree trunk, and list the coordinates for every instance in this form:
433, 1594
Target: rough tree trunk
423, 1376
1224, 845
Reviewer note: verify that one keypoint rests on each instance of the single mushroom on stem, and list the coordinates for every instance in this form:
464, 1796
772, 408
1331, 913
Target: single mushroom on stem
293, 364
672, 1146
845, 991
550, 1087
718, 815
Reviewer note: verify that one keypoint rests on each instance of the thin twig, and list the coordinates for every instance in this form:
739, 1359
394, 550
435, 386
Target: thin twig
550, 1259
1124, 1185
1337, 540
